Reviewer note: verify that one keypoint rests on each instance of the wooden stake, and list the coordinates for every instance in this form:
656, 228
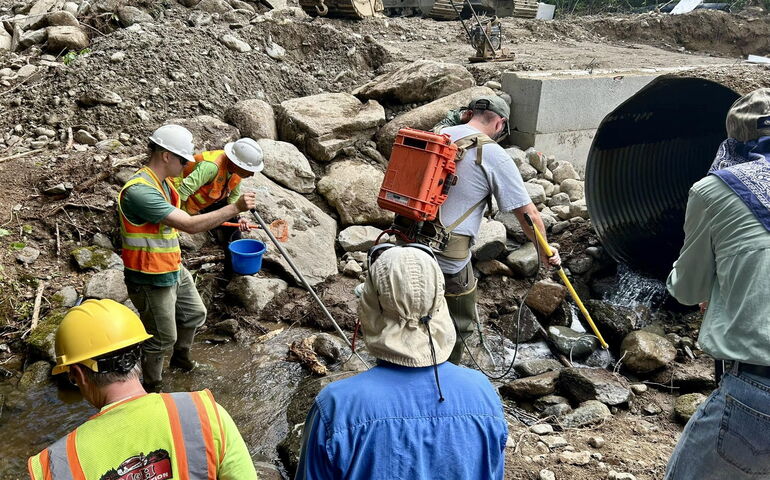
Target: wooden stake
36, 309
19, 155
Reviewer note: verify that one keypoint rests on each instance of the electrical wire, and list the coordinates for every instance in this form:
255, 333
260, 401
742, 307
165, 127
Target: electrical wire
518, 333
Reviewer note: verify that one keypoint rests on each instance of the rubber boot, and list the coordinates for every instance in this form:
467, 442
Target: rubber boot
462, 309
152, 371
181, 357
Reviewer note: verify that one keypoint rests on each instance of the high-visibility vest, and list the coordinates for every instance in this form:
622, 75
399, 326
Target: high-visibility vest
153, 436
217, 189
151, 248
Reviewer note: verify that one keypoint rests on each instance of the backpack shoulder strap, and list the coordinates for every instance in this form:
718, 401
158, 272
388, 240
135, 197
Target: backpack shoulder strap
477, 140
465, 215
474, 140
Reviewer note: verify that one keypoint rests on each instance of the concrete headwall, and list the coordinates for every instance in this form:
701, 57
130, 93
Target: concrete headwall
560, 112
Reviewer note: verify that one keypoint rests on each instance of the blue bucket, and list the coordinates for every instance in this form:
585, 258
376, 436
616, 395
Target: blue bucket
247, 255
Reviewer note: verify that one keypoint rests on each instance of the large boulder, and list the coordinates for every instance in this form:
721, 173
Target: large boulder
583, 384
311, 232
358, 238
588, 413
644, 352
351, 187
523, 261
614, 321
545, 296
285, 164
96, 258
490, 241
41, 340
209, 133
129, 15
417, 82
426, 116
324, 124
61, 19
254, 293
66, 38
519, 329
693, 376
6, 40
35, 376
571, 343
107, 284
538, 366
254, 118
531, 387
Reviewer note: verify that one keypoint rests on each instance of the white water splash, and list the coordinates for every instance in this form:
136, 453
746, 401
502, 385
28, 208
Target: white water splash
635, 289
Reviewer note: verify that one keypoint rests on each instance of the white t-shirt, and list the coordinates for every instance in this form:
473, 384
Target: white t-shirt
499, 176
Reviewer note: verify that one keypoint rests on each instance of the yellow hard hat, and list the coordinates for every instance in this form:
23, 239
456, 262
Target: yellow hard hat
93, 329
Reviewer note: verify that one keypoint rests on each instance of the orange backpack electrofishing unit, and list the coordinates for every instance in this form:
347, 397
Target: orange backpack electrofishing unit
420, 173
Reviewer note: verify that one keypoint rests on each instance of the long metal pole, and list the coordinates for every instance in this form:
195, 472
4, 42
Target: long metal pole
304, 282
548, 252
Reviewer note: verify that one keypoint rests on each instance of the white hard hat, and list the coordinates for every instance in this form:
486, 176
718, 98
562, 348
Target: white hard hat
246, 153
176, 139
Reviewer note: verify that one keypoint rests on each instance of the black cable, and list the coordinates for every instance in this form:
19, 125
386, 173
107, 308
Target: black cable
518, 330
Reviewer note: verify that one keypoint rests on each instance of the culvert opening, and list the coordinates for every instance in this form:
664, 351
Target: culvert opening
644, 158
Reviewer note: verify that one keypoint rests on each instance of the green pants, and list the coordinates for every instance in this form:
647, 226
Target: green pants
163, 310
460, 293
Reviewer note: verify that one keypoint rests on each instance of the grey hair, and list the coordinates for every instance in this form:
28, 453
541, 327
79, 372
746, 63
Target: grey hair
108, 378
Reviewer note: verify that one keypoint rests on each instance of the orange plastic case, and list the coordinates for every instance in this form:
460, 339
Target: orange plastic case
419, 174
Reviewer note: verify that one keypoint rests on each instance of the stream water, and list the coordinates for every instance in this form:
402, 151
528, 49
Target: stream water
635, 289
255, 383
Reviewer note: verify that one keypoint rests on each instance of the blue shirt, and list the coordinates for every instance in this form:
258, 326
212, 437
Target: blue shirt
387, 423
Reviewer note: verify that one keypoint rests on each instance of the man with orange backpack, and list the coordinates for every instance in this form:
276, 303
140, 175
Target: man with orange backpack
135, 434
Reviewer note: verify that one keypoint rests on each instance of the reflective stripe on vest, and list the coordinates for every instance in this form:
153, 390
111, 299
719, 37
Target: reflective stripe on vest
193, 443
217, 189
150, 247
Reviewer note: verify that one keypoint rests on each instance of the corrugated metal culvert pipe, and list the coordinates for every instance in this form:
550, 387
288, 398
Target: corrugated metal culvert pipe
644, 158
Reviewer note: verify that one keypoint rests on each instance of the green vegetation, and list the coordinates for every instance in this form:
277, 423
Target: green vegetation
73, 55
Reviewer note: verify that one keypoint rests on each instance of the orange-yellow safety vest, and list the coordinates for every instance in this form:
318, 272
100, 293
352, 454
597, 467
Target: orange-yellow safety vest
150, 437
217, 189
151, 248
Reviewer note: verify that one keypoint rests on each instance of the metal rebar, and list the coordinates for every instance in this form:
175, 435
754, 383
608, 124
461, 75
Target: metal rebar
285, 255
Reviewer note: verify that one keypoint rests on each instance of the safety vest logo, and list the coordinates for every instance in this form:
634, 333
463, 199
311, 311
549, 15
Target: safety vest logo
155, 466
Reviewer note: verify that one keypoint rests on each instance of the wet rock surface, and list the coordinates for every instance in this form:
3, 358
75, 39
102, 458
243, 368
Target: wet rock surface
583, 384
644, 352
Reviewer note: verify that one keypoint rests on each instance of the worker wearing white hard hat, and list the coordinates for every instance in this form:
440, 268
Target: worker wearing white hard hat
216, 175
161, 289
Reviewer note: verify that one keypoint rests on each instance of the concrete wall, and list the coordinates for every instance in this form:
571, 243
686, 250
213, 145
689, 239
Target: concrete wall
558, 113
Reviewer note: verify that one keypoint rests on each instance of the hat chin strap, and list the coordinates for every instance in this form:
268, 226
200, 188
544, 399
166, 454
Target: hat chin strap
425, 320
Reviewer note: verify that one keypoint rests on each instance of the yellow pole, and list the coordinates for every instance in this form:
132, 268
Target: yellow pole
548, 252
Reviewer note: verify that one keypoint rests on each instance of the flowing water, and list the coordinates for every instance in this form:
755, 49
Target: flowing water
254, 383
635, 289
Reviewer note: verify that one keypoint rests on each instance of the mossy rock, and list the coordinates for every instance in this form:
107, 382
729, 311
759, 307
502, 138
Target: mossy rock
96, 258
41, 339
35, 375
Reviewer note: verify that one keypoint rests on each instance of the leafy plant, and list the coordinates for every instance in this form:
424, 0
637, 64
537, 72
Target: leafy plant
4, 232
71, 56
18, 245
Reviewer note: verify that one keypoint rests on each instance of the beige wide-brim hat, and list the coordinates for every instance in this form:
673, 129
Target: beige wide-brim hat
749, 117
402, 287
